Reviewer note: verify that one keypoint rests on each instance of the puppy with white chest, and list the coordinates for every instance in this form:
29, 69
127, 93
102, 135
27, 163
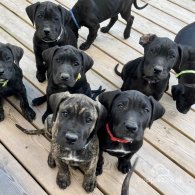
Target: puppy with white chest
129, 114
50, 31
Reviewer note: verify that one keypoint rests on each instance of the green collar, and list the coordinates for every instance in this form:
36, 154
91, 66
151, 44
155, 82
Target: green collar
4, 83
185, 72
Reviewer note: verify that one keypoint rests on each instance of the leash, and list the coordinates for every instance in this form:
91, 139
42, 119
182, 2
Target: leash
115, 139
74, 19
4, 83
58, 38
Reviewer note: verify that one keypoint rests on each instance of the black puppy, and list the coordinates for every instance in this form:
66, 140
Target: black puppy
90, 13
11, 79
66, 72
184, 92
50, 31
129, 114
150, 74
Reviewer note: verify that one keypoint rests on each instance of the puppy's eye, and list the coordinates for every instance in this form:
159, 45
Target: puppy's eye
65, 113
76, 64
152, 51
120, 105
56, 19
8, 58
58, 60
146, 110
171, 56
40, 16
88, 120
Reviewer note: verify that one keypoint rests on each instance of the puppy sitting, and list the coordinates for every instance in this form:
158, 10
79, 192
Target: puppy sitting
150, 74
129, 114
11, 79
90, 13
66, 72
50, 31
184, 92
73, 128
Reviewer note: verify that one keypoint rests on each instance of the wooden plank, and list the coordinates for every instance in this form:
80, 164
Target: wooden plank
173, 10
14, 179
32, 152
187, 4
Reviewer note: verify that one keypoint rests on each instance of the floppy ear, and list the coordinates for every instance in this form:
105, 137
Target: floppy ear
102, 114
65, 15
87, 61
177, 90
55, 100
146, 39
17, 52
107, 98
157, 110
31, 11
48, 55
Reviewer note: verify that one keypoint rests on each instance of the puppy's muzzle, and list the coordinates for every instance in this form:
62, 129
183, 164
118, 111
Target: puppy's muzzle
1, 71
132, 127
158, 69
71, 138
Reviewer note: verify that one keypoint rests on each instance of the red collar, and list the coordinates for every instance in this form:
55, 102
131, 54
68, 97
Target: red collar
115, 139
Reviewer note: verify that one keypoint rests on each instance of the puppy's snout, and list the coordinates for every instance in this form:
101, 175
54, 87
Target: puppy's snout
72, 138
132, 127
1, 71
65, 76
158, 69
46, 31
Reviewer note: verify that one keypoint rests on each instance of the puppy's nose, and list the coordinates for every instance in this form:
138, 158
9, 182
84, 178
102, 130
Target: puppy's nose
65, 76
71, 137
131, 127
1, 71
158, 69
46, 31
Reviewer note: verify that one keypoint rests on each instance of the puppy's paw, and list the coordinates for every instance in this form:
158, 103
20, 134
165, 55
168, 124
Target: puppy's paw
124, 167
104, 29
40, 77
29, 114
51, 162
36, 102
89, 185
62, 180
2, 115
126, 34
84, 46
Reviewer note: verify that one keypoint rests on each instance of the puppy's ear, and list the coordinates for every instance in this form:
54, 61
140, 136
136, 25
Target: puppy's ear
107, 98
146, 39
55, 100
65, 15
48, 55
177, 90
31, 11
157, 110
102, 114
17, 52
87, 61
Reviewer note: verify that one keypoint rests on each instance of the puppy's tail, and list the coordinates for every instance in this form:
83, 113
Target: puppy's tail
30, 132
40, 100
97, 92
116, 70
137, 7
125, 186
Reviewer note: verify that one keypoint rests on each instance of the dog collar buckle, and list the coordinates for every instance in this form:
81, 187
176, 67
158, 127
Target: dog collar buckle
4, 83
78, 77
115, 139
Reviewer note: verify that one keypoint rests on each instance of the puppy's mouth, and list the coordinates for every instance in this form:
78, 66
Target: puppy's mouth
151, 80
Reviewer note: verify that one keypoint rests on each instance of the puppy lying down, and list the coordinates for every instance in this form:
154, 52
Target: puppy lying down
72, 129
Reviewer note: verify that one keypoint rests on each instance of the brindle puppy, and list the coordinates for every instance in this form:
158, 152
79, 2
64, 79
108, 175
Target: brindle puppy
73, 128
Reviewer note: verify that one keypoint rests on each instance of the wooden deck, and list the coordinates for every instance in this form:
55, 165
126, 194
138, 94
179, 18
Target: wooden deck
167, 158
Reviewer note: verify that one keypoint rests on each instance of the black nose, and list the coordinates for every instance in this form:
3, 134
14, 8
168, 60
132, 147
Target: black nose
46, 31
158, 69
71, 137
131, 127
65, 76
1, 71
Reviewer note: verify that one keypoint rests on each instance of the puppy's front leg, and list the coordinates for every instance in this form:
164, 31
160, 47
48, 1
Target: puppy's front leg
100, 163
90, 38
124, 163
28, 112
63, 176
106, 29
2, 116
41, 69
